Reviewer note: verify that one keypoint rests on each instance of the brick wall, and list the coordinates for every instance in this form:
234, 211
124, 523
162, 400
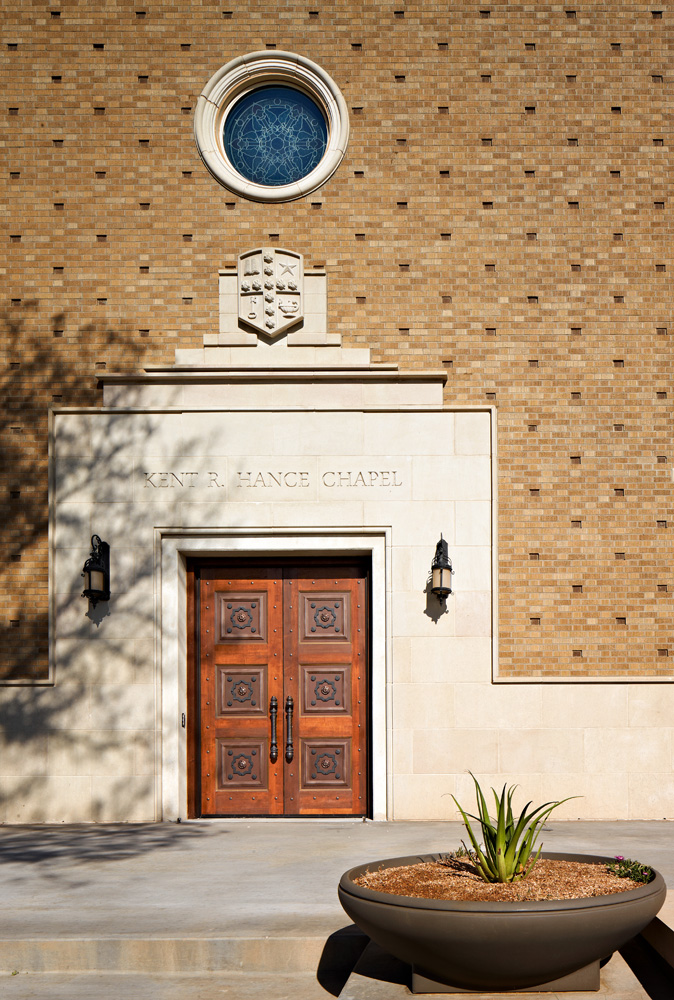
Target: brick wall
504, 209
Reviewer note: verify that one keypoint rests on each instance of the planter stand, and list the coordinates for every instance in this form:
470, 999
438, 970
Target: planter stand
585, 979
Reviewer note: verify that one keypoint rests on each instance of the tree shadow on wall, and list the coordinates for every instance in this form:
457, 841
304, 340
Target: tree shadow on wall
42, 365
101, 707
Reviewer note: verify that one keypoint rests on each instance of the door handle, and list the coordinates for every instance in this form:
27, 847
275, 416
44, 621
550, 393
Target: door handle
290, 752
273, 712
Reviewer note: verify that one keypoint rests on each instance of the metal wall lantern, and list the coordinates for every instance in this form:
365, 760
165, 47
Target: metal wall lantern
441, 571
96, 572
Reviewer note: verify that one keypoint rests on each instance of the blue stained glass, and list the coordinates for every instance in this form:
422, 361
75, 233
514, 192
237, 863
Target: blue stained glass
275, 135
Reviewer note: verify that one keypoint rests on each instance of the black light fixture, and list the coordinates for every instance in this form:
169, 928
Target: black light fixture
96, 572
441, 571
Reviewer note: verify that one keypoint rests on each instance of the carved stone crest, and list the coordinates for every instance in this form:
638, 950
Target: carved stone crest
271, 289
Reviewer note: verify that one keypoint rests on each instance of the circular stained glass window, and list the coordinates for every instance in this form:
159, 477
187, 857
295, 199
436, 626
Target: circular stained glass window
275, 135
271, 126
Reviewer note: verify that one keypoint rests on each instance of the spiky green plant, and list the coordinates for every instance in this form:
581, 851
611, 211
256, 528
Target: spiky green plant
508, 844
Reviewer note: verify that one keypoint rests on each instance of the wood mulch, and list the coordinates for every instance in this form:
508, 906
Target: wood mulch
458, 879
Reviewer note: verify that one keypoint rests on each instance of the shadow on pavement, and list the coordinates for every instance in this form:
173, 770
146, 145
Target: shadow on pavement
38, 845
341, 952
348, 952
654, 974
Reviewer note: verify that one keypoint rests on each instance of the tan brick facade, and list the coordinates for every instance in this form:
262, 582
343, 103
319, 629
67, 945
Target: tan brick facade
504, 208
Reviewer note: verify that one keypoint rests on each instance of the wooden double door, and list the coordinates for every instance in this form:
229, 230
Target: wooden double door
282, 690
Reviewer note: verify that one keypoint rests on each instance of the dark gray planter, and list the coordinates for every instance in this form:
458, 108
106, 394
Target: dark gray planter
485, 946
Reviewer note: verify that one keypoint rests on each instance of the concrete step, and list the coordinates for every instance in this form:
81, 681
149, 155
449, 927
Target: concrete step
161, 986
162, 955
344, 953
330, 959
371, 979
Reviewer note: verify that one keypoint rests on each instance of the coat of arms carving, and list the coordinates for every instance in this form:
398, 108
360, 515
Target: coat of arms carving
271, 289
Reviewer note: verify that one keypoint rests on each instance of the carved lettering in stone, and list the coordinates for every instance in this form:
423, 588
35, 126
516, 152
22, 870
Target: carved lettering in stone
283, 272
266, 480
169, 480
354, 477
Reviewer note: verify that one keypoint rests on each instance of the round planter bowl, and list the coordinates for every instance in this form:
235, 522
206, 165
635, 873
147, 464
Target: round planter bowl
484, 946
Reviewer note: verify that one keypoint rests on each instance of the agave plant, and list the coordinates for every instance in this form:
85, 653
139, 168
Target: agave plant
508, 845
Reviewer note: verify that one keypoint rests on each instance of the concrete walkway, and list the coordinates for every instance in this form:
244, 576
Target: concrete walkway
226, 908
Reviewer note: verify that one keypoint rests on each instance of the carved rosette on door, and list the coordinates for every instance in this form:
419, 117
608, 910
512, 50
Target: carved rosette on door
284, 682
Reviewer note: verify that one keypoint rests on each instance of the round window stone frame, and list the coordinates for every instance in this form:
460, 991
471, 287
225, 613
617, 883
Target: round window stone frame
250, 72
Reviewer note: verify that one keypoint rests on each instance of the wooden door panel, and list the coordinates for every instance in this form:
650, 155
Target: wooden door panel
325, 690
324, 618
240, 690
241, 617
296, 634
241, 669
326, 674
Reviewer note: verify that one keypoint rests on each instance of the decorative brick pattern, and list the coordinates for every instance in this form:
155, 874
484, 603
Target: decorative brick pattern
569, 163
